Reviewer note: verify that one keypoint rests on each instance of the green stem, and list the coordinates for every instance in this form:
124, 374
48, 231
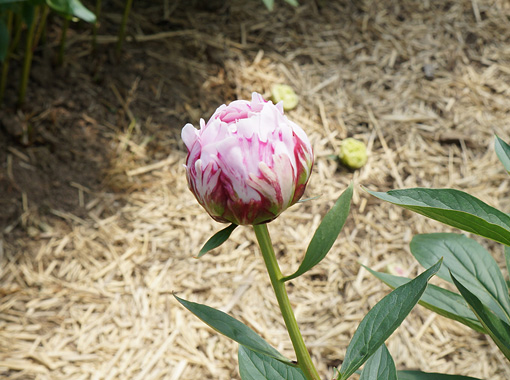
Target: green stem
122, 30
27, 63
42, 25
96, 25
275, 275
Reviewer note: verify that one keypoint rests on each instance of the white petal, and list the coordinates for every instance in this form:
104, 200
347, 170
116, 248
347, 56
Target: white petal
189, 135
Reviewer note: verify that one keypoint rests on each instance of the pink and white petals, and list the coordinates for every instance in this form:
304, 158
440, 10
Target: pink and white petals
249, 163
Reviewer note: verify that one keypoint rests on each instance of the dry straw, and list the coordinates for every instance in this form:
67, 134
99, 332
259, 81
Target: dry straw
424, 83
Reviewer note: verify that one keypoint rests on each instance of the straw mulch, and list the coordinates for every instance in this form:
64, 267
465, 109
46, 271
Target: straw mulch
424, 83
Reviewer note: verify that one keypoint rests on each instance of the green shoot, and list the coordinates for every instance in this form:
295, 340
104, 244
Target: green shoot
122, 31
27, 63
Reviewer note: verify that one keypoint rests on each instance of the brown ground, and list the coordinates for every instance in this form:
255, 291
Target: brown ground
98, 227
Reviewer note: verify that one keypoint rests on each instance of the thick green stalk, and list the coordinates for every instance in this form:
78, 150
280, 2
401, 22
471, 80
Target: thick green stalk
27, 63
63, 37
122, 30
275, 275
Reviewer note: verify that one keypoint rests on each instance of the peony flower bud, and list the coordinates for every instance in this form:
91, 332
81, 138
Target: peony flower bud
249, 163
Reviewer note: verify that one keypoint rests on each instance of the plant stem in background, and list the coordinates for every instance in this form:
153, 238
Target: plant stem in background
42, 24
62, 48
275, 275
96, 24
27, 63
122, 30
5, 63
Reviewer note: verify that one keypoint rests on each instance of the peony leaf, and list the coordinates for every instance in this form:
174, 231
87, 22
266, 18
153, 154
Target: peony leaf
380, 366
326, 233
441, 301
498, 329
507, 260
256, 366
217, 239
455, 208
382, 320
470, 263
72, 8
234, 329
418, 375
503, 152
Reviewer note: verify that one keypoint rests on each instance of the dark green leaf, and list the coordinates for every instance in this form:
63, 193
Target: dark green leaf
382, 320
256, 366
5, 2
217, 239
72, 8
455, 208
469, 262
503, 152
417, 375
507, 259
497, 328
380, 366
4, 39
28, 12
442, 301
326, 233
232, 328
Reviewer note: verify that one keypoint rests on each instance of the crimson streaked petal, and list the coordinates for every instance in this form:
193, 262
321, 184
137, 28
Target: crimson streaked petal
248, 163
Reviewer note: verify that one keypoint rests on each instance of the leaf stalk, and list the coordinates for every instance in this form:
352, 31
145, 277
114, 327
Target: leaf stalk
27, 63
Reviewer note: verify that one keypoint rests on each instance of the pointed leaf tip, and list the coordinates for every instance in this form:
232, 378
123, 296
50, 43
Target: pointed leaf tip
503, 152
217, 239
382, 320
234, 329
326, 233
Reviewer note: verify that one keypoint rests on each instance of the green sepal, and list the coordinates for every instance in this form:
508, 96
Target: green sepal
217, 239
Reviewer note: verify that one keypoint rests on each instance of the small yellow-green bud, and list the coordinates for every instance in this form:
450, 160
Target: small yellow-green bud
284, 92
353, 153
